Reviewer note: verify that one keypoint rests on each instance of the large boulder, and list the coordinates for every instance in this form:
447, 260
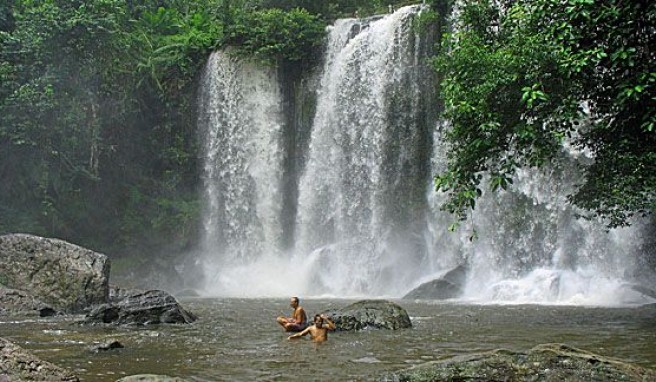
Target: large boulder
63, 275
548, 363
377, 314
142, 308
17, 364
449, 285
14, 302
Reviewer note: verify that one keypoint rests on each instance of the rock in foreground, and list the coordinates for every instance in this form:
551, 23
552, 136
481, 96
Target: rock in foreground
65, 276
142, 308
548, 363
378, 314
150, 378
17, 364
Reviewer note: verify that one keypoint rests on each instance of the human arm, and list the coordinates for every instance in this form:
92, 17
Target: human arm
328, 323
299, 334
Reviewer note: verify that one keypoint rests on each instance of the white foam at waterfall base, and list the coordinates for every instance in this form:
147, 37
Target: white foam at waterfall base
548, 286
282, 275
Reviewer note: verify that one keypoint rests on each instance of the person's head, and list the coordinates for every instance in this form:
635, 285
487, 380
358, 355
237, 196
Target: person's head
293, 302
318, 320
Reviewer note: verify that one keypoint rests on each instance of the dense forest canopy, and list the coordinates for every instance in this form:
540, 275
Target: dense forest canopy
97, 108
98, 137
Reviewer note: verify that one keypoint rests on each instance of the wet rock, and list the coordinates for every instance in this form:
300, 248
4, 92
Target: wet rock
150, 378
105, 346
548, 362
117, 293
142, 308
62, 275
17, 364
377, 314
14, 302
644, 291
450, 285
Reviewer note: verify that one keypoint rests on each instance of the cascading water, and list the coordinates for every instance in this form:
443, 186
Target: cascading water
240, 120
362, 193
531, 248
367, 219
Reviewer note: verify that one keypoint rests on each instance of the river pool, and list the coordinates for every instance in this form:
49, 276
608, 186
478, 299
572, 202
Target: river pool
239, 340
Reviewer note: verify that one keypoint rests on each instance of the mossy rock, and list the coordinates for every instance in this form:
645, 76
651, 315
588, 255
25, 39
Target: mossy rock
544, 363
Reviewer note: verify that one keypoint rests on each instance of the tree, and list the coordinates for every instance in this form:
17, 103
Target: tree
520, 77
273, 35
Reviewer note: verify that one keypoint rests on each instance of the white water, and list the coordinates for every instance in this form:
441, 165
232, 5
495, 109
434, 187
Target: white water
361, 156
368, 222
241, 123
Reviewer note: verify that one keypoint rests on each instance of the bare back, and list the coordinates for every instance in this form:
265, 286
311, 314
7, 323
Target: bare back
299, 315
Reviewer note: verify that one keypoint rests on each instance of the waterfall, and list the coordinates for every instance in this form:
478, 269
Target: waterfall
532, 248
362, 192
352, 210
241, 126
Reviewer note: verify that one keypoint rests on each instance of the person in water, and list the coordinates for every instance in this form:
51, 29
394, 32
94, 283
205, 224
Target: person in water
298, 320
319, 330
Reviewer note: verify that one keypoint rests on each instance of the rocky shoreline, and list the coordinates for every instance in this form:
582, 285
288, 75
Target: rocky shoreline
41, 277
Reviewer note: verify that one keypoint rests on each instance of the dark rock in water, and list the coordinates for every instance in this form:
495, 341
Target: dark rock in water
143, 308
15, 302
118, 294
549, 362
109, 345
65, 276
450, 285
17, 364
644, 290
150, 378
378, 314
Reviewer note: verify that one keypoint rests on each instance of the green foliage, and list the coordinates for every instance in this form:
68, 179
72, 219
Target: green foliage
97, 111
516, 76
272, 35
169, 46
334, 9
97, 98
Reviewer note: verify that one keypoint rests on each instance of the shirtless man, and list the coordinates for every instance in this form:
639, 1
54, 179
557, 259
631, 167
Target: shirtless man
318, 331
298, 320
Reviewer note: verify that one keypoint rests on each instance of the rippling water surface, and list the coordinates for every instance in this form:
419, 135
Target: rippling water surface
238, 340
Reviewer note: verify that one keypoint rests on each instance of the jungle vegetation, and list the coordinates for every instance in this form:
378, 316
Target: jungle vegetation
98, 140
521, 78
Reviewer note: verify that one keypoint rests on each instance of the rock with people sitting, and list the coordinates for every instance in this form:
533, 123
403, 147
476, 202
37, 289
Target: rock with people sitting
365, 314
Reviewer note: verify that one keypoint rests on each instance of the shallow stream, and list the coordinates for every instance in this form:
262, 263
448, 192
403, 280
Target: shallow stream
239, 340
